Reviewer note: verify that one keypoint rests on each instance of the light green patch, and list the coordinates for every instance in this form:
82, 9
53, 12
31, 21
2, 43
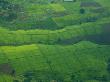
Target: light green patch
57, 7
6, 78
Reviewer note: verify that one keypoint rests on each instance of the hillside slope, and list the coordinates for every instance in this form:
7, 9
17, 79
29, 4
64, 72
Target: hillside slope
54, 41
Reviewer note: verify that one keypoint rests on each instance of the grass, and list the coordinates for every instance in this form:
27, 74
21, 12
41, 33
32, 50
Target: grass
46, 36
6, 78
57, 7
21, 60
33, 42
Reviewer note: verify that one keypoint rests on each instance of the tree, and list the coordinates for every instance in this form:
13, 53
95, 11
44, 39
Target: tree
82, 11
74, 0
7, 10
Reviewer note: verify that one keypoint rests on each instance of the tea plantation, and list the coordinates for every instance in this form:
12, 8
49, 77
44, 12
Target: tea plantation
54, 41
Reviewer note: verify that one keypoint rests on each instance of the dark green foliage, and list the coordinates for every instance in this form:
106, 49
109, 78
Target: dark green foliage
15, 81
74, 0
13, 72
82, 11
73, 78
8, 11
54, 41
5, 5
91, 19
27, 80
108, 65
42, 76
29, 74
9, 16
104, 78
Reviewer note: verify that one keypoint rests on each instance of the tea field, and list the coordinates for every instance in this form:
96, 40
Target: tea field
54, 41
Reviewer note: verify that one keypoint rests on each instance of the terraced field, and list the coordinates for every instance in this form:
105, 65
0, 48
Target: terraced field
54, 41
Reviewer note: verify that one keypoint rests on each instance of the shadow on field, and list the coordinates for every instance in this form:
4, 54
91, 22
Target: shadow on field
103, 39
42, 76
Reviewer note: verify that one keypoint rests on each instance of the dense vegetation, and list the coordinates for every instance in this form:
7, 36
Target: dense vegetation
54, 41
